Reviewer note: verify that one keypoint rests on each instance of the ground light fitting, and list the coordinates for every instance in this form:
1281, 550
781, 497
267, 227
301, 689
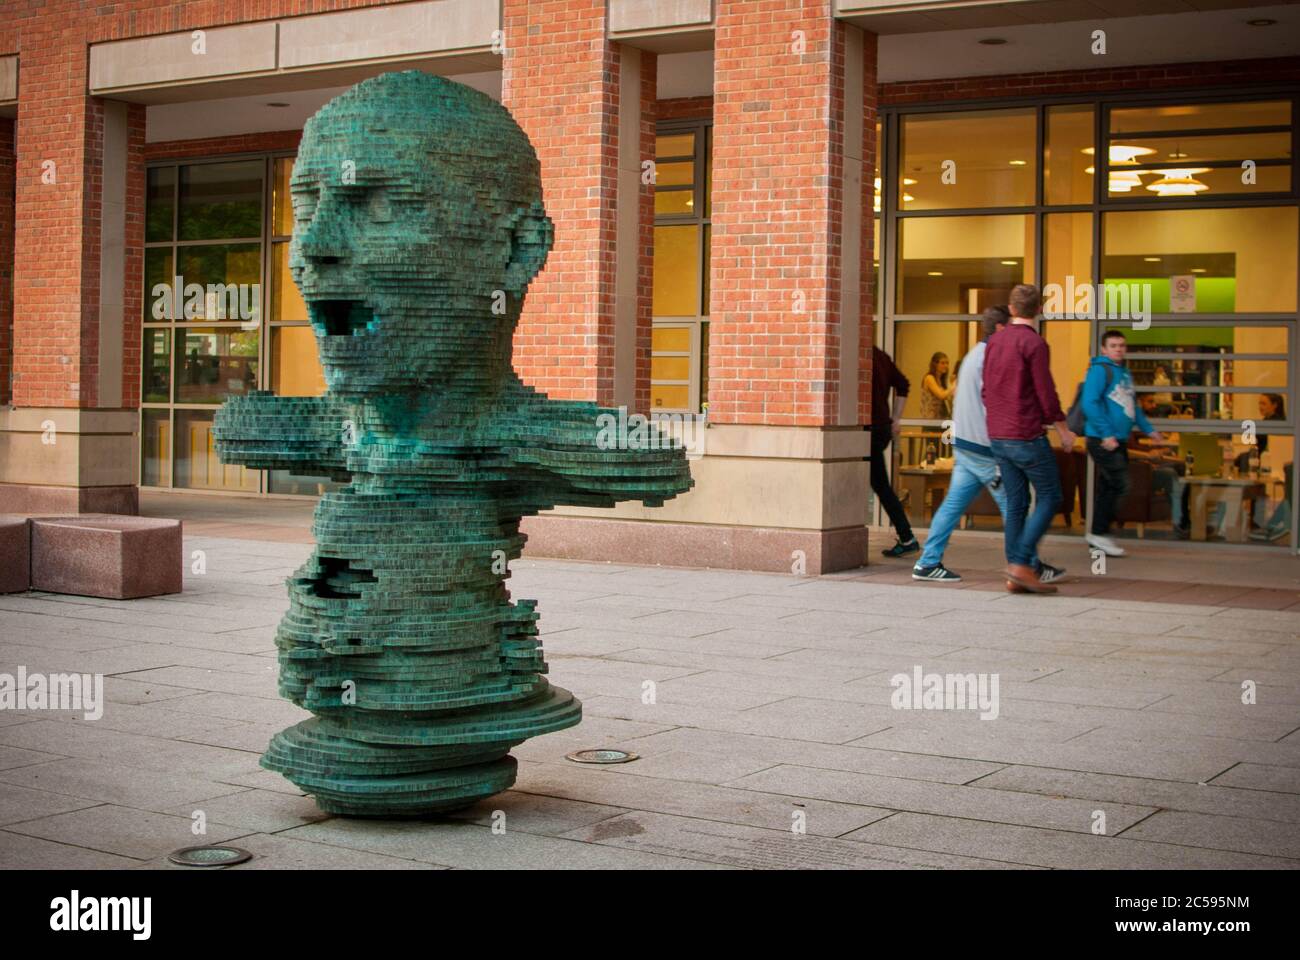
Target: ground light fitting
605, 755
213, 856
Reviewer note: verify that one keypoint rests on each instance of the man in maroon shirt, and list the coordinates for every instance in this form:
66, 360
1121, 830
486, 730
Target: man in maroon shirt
886, 422
1020, 398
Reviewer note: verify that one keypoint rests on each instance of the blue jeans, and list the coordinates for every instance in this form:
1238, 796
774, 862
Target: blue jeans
970, 473
1026, 463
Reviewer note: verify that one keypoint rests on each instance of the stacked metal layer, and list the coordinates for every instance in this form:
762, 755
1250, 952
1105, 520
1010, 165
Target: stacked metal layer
418, 226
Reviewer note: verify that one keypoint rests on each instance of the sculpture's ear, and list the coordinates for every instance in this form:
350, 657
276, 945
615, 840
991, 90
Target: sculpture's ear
531, 233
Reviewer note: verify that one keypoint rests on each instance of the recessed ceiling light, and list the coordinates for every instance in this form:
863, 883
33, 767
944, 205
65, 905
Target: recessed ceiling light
1009, 263
935, 273
1017, 163
276, 103
1261, 22
993, 41
1151, 259
1198, 270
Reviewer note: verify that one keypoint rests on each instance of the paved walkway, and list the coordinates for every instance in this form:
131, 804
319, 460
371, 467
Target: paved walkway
760, 706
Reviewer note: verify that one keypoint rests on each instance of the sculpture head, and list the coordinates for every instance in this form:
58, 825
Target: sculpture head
418, 225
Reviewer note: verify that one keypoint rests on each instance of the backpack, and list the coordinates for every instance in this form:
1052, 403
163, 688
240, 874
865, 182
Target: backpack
1075, 418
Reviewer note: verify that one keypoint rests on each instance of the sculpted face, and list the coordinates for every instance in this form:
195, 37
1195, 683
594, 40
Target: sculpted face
417, 211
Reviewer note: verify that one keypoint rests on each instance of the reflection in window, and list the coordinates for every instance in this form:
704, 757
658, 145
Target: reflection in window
1208, 372
963, 264
213, 363
1067, 159
1235, 260
1203, 486
197, 463
1175, 150
976, 158
295, 364
221, 201
157, 366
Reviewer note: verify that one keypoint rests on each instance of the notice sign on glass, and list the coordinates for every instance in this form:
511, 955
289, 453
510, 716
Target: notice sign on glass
1182, 294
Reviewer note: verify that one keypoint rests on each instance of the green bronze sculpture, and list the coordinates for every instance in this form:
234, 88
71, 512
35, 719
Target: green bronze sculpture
418, 225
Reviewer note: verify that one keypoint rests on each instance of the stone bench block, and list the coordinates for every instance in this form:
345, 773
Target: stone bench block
114, 557
15, 555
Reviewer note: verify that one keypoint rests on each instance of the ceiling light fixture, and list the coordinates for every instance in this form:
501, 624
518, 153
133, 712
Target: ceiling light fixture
935, 273
1198, 270
1261, 22
276, 103
993, 41
1017, 163
1179, 183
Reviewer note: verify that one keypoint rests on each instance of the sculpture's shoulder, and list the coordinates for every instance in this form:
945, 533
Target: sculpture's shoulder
302, 434
603, 455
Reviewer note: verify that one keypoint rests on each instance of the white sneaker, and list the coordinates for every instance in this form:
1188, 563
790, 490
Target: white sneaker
1105, 544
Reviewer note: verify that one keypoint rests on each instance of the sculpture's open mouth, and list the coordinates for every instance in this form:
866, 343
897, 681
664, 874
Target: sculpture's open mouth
340, 318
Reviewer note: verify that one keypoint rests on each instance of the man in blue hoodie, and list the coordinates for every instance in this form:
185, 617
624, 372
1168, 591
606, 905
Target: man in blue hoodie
1110, 412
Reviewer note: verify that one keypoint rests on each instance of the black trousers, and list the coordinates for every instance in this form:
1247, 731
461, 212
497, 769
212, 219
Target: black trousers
882, 488
1110, 483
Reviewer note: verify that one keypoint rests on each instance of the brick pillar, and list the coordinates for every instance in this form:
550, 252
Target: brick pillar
6, 257
68, 444
777, 180
588, 106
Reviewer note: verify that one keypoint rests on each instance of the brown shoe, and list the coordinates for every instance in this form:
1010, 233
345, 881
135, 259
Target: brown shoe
1013, 587
1026, 576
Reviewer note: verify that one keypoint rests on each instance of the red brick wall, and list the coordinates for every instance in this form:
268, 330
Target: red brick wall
217, 146
56, 239
560, 80
867, 330
1224, 73
685, 108
776, 213
6, 255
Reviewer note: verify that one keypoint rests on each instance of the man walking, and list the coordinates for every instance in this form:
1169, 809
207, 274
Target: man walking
1110, 411
886, 424
973, 465
1020, 398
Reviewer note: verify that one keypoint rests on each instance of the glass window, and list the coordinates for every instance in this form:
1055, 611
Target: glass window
156, 443
1231, 260
1195, 372
675, 174
227, 265
962, 264
1068, 156
213, 363
1067, 255
928, 354
295, 365
221, 201
160, 203
670, 367
158, 270
281, 199
1211, 486
1176, 151
197, 463
677, 271
976, 158
157, 366
286, 301
1069, 352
